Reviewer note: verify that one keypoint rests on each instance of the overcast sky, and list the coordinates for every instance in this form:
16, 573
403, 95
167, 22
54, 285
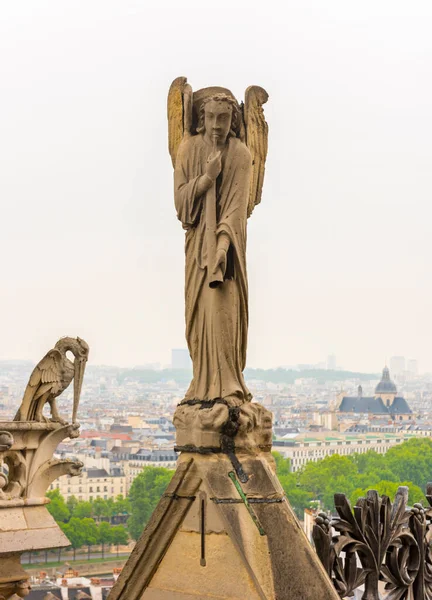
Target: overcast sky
339, 251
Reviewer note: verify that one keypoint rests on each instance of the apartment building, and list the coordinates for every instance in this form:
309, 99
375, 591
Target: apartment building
92, 484
133, 463
306, 447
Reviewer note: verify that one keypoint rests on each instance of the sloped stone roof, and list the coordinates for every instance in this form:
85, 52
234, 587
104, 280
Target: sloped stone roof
374, 405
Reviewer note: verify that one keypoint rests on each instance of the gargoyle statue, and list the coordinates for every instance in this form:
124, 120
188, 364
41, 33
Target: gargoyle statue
51, 376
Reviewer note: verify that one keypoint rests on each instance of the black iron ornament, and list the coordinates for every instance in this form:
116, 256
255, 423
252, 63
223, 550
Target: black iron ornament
378, 544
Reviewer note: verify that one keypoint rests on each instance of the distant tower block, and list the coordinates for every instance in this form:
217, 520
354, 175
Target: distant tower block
397, 365
180, 359
412, 367
331, 362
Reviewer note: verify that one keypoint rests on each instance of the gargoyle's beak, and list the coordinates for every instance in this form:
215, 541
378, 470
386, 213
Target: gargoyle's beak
80, 365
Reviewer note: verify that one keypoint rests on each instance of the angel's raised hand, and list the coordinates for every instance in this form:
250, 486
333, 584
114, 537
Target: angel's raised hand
214, 165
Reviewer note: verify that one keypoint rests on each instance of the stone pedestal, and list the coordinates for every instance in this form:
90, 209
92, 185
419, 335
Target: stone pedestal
27, 468
224, 528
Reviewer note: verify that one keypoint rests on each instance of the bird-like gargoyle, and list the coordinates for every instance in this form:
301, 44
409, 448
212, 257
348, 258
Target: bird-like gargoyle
51, 376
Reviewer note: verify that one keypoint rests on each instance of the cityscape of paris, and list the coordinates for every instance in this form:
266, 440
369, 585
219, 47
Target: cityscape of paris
126, 414
215, 357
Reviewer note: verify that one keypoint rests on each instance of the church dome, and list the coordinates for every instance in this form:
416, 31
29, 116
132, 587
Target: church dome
386, 385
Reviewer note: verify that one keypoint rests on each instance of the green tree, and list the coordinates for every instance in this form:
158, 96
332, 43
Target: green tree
122, 506
283, 465
75, 532
101, 509
369, 461
145, 493
119, 536
57, 507
389, 488
104, 535
411, 461
110, 508
298, 497
326, 477
72, 503
83, 510
90, 532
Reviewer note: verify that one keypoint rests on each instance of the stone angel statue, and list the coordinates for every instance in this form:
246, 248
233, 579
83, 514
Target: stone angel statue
51, 376
218, 149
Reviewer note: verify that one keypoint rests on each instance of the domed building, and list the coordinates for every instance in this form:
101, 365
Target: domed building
386, 388
384, 402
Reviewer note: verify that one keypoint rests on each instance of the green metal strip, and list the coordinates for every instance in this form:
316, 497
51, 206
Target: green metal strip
243, 496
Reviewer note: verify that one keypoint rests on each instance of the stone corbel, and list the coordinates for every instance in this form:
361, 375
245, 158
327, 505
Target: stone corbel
27, 467
48, 445
48, 472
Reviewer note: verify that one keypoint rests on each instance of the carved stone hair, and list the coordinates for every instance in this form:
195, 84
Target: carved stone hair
235, 113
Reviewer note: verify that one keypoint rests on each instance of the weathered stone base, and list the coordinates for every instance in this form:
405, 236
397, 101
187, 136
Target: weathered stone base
212, 537
210, 424
13, 578
24, 528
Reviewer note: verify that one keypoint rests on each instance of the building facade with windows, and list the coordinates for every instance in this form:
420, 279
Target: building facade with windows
133, 463
92, 484
313, 447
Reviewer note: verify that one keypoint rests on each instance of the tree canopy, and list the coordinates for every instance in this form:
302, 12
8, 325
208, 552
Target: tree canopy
78, 520
58, 507
409, 463
146, 491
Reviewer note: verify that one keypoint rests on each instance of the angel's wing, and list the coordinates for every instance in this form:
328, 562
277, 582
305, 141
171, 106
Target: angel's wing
46, 377
256, 140
179, 114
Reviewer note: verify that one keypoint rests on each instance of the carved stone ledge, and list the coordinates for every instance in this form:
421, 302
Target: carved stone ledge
27, 468
26, 465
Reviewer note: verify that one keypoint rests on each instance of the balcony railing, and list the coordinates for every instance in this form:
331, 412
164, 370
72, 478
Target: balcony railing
380, 547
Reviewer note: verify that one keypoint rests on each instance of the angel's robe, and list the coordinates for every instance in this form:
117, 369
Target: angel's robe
216, 318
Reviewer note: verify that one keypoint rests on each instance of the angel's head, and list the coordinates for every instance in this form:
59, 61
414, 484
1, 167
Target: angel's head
219, 118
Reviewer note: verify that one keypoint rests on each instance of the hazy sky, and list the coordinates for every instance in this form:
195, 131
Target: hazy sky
339, 251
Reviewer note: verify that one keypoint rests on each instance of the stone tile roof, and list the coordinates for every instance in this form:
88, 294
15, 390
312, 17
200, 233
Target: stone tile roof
97, 473
374, 405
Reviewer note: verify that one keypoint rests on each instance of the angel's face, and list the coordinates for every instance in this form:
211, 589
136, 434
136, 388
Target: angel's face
217, 120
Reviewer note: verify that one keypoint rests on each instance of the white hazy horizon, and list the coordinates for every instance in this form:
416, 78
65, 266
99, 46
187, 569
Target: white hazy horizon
339, 251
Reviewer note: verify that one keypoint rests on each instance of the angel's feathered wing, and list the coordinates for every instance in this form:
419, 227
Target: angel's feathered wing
256, 140
46, 377
179, 114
